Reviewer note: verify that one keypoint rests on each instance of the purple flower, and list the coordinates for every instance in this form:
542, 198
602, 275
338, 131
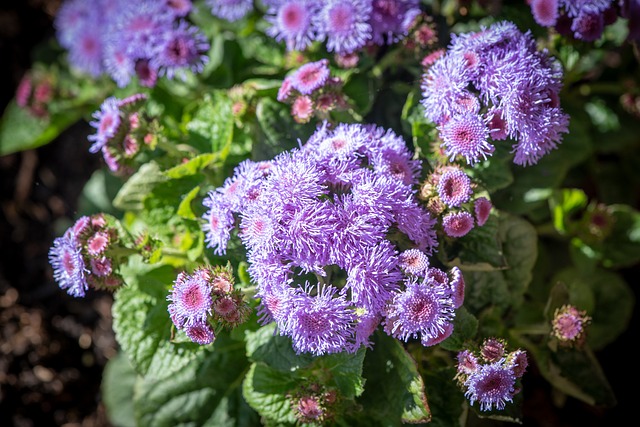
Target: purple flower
69, 269
491, 385
454, 188
107, 124
413, 261
424, 308
467, 362
569, 324
200, 333
230, 10
444, 83
190, 300
518, 361
457, 224
457, 287
291, 21
390, 19
179, 8
466, 135
219, 223
344, 24
588, 25
118, 64
310, 77
86, 52
482, 209
545, 12
320, 323
183, 47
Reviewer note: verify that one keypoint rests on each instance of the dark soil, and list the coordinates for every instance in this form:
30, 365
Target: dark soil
53, 347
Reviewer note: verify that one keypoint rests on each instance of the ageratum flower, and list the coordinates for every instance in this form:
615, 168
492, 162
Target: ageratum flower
291, 21
182, 48
424, 309
107, 124
230, 10
344, 24
310, 76
491, 85
190, 300
339, 207
390, 19
454, 188
491, 385
69, 269
457, 224
414, 261
482, 209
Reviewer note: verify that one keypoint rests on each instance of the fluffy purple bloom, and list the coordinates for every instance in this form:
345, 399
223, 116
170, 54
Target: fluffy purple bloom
107, 124
495, 83
545, 12
344, 24
118, 64
190, 300
230, 10
424, 309
86, 52
482, 209
466, 135
291, 21
457, 224
181, 48
588, 25
320, 324
413, 261
69, 269
70, 20
492, 385
454, 188
457, 287
310, 77
390, 19
219, 223
200, 333
179, 8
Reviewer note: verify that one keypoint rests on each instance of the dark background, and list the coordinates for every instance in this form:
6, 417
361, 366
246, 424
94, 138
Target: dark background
53, 347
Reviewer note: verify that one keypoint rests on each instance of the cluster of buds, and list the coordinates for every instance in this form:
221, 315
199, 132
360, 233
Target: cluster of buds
313, 404
423, 35
204, 302
34, 92
312, 91
86, 256
568, 326
489, 375
448, 193
121, 132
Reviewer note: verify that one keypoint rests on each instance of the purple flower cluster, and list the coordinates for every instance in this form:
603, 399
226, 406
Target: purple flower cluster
127, 38
569, 326
204, 300
492, 85
312, 91
80, 257
120, 131
489, 376
345, 26
586, 19
448, 192
322, 226
230, 10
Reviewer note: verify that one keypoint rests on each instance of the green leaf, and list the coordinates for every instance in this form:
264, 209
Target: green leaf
446, 400
118, 380
494, 173
394, 392
279, 131
275, 350
192, 167
481, 245
19, 130
143, 328
184, 209
203, 393
345, 371
212, 123
265, 390
622, 247
564, 204
136, 189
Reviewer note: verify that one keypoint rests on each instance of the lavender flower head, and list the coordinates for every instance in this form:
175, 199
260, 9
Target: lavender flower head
230, 10
569, 325
291, 22
69, 269
344, 24
190, 300
327, 209
491, 85
490, 378
454, 188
